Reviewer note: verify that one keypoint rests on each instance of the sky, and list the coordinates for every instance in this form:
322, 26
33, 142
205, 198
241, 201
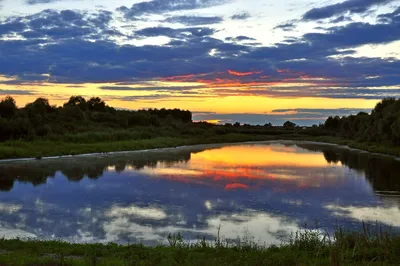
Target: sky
251, 61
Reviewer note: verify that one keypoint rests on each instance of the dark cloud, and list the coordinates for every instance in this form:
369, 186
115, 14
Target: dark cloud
35, 2
239, 38
320, 92
355, 34
194, 20
289, 26
341, 19
390, 17
164, 6
241, 16
60, 43
183, 33
56, 25
152, 88
16, 92
349, 6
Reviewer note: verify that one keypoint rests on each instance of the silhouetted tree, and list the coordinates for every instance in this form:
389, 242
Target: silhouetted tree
96, 104
289, 125
78, 101
8, 108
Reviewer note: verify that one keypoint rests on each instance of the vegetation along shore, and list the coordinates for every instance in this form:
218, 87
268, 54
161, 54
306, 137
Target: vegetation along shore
90, 126
372, 246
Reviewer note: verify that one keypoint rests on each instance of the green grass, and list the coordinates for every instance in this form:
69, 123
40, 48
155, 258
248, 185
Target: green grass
70, 146
38, 149
306, 247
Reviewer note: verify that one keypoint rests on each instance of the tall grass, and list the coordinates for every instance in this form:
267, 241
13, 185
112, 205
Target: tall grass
371, 246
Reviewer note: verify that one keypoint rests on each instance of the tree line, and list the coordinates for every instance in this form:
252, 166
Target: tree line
40, 119
381, 126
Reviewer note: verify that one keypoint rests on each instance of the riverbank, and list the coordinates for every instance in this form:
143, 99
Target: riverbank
306, 247
46, 148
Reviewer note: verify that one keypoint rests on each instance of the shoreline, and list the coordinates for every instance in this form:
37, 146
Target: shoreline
203, 145
307, 247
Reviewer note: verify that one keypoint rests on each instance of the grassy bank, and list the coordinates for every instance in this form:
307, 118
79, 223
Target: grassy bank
306, 247
37, 149
43, 148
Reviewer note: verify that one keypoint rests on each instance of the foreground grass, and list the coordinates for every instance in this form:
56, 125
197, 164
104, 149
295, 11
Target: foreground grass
306, 247
44, 148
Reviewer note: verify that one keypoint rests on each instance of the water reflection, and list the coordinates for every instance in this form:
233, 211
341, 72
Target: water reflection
261, 190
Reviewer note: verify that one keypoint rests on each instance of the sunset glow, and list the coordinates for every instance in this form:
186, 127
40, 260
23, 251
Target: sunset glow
204, 56
249, 167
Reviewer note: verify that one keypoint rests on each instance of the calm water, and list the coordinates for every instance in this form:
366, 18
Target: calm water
262, 190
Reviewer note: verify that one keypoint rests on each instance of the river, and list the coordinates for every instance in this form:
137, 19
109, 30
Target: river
257, 191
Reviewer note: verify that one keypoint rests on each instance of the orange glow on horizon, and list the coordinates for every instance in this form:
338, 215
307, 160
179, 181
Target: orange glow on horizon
220, 95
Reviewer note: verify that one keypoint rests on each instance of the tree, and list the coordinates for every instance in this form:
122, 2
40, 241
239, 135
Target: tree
332, 123
289, 125
268, 125
40, 106
96, 104
77, 101
396, 131
8, 108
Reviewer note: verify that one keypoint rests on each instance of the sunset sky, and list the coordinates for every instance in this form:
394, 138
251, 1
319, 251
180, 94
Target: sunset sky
252, 61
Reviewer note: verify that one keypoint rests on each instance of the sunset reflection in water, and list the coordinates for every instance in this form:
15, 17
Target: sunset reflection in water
265, 190
251, 167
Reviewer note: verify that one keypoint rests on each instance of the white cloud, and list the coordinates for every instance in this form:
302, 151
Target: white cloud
385, 215
9, 208
132, 210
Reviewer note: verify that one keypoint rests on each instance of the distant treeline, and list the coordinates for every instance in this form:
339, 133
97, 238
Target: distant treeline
381, 126
39, 118
81, 121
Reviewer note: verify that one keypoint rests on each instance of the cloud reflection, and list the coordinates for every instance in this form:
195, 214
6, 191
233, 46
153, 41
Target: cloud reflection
143, 196
383, 215
149, 213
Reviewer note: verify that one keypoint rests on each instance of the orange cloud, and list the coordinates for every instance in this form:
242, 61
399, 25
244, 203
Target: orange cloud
242, 74
283, 70
182, 77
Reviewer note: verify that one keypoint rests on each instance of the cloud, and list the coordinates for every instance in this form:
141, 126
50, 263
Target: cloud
366, 33
242, 74
194, 20
241, 16
35, 2
164, 6
182, 33
349, 6
239, 38
61, 44
289, 26
181, 89
16, 92
390, 17
341, 19
56, 25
